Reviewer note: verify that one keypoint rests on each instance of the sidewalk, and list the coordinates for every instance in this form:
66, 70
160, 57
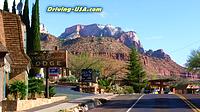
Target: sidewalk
67, 105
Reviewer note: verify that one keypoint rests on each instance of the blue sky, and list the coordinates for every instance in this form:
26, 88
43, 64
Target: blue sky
172, 25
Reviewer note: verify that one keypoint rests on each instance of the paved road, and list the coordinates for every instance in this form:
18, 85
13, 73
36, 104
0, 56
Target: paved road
194, 99
147, 103
120, 103
67, 90
161, 103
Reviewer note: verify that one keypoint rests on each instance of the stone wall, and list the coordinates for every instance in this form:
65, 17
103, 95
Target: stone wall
19, 105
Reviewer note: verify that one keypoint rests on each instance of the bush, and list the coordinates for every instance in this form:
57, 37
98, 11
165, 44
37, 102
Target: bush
18, 89
103, 83
35, 86
69, 79
128, 89
117, 89
52, 91
122, 89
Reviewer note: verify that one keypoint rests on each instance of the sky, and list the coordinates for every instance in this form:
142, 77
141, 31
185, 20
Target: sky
171, 25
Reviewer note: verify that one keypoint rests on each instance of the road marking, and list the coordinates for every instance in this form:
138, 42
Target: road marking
192, 106
135, 103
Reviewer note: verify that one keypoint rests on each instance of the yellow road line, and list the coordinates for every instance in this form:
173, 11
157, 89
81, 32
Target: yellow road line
192, 106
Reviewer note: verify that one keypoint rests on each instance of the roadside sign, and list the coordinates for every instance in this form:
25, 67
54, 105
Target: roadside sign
39, 75
87, 75
54, 72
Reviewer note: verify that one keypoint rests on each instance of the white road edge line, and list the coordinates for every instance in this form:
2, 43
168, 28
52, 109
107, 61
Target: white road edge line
135, 103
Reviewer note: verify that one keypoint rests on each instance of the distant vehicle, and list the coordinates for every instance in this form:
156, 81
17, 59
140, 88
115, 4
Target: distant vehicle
166, 91
198, 91
155, 91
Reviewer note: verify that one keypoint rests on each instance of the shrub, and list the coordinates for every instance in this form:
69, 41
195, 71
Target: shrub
35, 86
117, 89
105, 84
69, 79
52, 91
122, 89
128, 89
18, 89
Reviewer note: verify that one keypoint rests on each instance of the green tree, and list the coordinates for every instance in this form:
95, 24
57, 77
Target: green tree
34, 37
52, 91
13, 8
18, 89
83, 61
35, 27
136, 76
26, 21
35, 86
193, 63
5, 6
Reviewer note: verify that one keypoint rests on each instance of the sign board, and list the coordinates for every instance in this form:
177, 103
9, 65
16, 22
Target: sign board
87, 75
54, 72
39, 75
49, 59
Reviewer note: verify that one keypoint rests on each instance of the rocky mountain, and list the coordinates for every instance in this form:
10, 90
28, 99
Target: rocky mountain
49, 42
43, 28
112, 43
110, 48
158, 54
129, 38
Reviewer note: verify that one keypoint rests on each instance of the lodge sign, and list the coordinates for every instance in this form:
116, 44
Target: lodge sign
49, 59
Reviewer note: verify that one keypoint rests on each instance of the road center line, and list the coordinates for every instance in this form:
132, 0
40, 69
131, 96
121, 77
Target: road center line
135, 103
192, 106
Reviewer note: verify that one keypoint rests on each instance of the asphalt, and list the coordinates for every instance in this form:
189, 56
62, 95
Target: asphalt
147, 103
120, 103
194, 99
68, 105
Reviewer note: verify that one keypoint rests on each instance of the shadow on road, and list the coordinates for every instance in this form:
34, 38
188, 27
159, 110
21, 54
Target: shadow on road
149, 101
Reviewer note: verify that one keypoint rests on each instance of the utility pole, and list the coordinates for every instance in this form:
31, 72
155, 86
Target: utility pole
47, 83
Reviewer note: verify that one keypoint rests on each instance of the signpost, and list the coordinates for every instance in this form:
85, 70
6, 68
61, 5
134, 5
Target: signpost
87, 78
46, 59
49, 59
86, 75
89, 75
54, 72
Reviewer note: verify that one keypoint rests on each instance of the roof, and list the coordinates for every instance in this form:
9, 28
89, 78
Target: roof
14, 41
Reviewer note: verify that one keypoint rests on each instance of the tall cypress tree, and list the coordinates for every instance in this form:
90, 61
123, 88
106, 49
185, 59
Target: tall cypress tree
35, 27
5, 6
35, 35
26, 21
136, 75
13, 8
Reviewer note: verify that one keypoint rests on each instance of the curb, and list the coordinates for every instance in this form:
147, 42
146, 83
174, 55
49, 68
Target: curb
88, 104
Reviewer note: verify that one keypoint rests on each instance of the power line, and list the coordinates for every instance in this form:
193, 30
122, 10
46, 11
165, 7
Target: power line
180, 49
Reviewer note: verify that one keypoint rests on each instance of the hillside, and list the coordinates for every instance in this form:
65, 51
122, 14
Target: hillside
48, 41
112, 43
112, 49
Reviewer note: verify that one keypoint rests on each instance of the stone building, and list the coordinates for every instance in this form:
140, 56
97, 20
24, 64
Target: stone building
14, 63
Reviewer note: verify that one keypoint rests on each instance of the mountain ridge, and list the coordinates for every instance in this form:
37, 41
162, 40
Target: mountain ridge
113, 47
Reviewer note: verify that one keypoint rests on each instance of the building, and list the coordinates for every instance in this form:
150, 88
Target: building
12, 35
14, 63
4, 72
